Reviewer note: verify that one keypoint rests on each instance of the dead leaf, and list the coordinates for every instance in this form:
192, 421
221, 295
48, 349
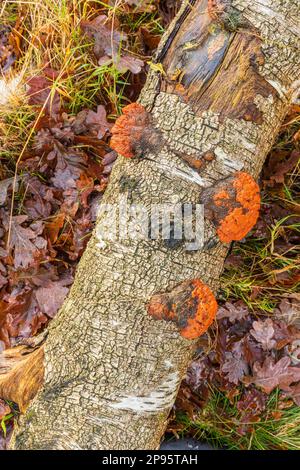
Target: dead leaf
263, 332
107, 39
284, 334
50, 297
288, 310
40, 92
149, 39
54, 226
188, 401
25, 242
235, 367
4, 185
39, 204
234, 312
294, 393
20, 316
280, 163
97, 123
131, 63
252, 402
251, 405
252, 351
271, 375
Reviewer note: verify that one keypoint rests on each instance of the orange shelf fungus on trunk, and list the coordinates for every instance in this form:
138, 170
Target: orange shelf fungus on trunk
191, 305
233, 205
128, 130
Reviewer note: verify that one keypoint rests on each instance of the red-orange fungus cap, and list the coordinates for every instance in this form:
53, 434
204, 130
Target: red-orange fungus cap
191, 305
242, 211
128, 129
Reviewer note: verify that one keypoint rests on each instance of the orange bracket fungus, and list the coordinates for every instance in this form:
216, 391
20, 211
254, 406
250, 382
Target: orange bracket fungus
132, 132
191, 305
233, 206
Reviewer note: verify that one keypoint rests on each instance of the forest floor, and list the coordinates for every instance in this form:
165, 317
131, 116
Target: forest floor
67, 69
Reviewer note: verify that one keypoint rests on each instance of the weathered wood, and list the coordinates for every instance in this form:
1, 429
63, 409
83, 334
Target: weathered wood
111, 370
21, 374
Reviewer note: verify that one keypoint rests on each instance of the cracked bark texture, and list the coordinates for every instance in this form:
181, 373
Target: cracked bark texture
111, 372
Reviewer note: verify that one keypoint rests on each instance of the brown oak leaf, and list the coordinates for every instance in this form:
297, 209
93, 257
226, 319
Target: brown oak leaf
25, 242
263, 332
280, 163
20, 316
235, 365
40, 93
289, 310
270, 375
294, 393
234, 312
96, 122
51, 297
253, 401
107, 38
123, 63
4, 185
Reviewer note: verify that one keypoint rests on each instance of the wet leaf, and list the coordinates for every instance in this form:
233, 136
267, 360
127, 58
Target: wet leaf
250, 405
234, 312
20, 316
252, 402
263, 332
97, 122
150, 40
4, 185
284, 334
288, 310
24, 242
235, 366
50, 297
188, 401
252, 351
274, 374
39, 204
280, 163
129, 63
54, 226
107, 39
41, 92
294, 393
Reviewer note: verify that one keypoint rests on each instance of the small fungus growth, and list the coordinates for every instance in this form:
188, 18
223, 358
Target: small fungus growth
191, 305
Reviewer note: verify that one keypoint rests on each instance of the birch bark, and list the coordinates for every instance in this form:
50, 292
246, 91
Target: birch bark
224, 78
